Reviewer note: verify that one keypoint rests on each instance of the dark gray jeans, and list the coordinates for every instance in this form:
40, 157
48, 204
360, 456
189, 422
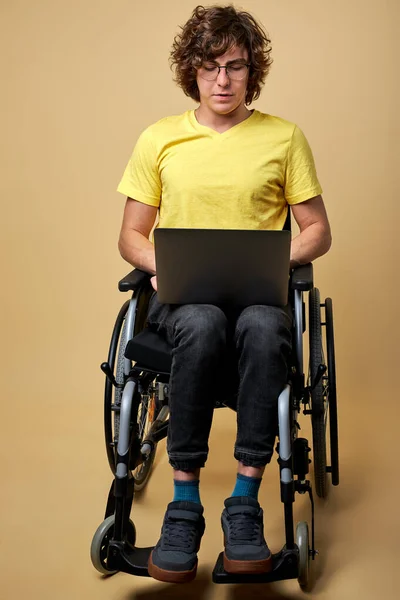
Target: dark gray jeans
213, 345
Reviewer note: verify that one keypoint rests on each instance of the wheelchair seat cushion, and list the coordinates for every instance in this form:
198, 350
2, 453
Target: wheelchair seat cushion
149, 349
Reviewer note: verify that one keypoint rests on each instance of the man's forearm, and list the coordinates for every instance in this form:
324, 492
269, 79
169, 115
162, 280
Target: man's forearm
310, 244
137, 250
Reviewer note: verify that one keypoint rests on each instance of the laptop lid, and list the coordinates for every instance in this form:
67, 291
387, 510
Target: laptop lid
222, 266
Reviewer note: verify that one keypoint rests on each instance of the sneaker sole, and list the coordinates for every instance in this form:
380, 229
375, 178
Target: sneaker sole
248, 567
170, 576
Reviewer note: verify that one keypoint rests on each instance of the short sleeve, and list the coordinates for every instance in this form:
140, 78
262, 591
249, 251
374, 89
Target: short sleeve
301, 181
141, 180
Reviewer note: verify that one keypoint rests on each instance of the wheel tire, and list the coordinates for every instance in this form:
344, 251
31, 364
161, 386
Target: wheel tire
143, 472
144, 419
111, 394
332, 396
302, 541
317, 396
100, 543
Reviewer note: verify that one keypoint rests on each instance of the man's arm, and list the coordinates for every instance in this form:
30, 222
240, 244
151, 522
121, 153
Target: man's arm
134, 244
314, 238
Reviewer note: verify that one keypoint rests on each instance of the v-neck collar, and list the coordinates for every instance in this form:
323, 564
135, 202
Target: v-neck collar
212, 132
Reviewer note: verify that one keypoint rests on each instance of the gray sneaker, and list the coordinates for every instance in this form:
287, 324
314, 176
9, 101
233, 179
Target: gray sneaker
246, 550
174, 558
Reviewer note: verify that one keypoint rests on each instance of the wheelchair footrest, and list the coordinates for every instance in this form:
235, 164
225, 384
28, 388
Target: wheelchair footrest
284, 566
128, 559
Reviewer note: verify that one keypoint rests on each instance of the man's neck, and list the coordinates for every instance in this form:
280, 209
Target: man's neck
218, 122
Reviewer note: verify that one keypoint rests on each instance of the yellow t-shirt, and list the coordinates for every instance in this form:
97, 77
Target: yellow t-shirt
243, 178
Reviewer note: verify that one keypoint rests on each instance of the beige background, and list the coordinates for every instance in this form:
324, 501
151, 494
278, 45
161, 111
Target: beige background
80, 81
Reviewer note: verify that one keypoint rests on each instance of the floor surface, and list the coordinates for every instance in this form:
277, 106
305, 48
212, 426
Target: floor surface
54, 495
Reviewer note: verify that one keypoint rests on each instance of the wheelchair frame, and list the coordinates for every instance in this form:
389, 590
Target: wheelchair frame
113, 547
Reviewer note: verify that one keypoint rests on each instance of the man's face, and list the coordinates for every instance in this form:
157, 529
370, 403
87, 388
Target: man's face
225, 94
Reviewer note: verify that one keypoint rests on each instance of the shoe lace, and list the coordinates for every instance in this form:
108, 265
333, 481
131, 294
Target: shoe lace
244, 528
178, 535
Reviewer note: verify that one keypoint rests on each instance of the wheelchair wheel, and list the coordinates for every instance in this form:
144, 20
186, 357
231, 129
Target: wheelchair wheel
319, 400
302, 541
144, 411
148, 410
333, 419
112, 395
100, 543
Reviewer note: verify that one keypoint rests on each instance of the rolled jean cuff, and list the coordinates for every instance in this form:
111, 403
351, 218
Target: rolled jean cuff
252, 460
180, 462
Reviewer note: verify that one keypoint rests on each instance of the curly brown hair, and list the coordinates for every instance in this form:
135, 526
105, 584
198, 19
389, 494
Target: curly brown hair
209, 33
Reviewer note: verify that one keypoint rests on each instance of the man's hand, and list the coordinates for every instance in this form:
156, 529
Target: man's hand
153, 281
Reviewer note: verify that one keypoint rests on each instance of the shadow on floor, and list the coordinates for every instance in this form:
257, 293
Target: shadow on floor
199, 589
255, 591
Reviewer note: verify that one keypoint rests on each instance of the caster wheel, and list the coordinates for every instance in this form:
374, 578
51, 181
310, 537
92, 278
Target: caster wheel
302, 541
101, 540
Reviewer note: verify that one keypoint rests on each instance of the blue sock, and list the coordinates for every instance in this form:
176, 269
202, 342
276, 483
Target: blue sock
187, 490
247, 486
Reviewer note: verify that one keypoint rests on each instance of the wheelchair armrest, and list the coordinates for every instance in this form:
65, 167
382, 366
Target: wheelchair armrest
302, 278
133, 281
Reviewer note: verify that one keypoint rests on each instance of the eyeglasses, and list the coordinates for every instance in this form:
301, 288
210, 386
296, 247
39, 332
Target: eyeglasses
235, 71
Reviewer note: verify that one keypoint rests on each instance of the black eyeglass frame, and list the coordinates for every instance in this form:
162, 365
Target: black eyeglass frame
226, 67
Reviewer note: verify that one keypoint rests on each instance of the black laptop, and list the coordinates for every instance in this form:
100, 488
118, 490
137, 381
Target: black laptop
222, 266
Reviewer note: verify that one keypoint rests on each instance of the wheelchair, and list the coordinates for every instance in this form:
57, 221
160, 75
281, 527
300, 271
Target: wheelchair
136, 419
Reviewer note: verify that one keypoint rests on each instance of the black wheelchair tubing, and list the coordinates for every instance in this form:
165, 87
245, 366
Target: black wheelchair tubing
317, 398
333, 418
143, 294
108, 390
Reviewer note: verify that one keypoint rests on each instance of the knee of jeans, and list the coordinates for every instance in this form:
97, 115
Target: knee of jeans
261, 326
203, 323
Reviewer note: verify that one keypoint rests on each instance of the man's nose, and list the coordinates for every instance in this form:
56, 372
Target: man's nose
223, 78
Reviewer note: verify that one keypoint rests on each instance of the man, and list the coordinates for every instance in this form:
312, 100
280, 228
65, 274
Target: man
220, 166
